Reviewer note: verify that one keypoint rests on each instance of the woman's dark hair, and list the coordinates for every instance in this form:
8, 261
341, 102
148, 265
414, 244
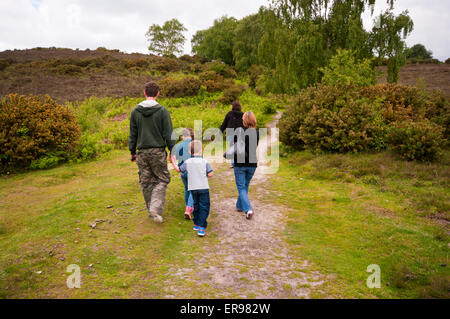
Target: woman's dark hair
236, 106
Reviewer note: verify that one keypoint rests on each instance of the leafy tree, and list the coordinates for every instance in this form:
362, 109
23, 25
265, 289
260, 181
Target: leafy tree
419, 51
302, 35
167, 40
216, 42
388, 34
344, 69
248, 34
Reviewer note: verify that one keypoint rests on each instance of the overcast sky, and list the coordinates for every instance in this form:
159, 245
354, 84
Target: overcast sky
122, 24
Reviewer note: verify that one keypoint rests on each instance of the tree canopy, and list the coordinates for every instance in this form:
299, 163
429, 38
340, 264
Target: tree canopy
216, 43
419, 51
294, 39
167, 40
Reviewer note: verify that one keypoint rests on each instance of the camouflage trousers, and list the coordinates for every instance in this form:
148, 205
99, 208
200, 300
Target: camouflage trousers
154, 177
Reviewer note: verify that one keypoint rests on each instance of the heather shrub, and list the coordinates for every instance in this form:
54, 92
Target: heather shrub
399, 103
348, 125
186, 86
221, 68
254, 72
422, 141
35, 128
166, 64
321, 96
231, 94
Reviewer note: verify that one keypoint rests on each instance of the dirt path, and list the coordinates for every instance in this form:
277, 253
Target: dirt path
244, 259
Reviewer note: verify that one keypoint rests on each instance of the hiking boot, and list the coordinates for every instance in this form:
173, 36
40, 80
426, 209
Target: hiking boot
249, 214
156, 218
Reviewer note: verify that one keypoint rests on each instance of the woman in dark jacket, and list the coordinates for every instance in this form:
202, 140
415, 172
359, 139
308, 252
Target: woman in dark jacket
233, 120
245, 162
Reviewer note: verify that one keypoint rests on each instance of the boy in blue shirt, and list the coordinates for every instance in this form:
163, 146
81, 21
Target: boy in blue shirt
181, 154
198, 171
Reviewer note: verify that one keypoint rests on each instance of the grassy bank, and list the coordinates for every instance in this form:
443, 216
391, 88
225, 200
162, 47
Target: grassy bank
347, 212
45, 225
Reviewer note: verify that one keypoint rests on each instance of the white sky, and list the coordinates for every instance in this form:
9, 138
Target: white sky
122, 24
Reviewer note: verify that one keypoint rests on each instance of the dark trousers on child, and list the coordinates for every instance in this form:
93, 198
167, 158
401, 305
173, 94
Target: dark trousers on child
201, 207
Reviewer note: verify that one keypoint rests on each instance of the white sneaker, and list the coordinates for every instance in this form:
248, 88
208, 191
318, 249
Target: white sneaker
249, 214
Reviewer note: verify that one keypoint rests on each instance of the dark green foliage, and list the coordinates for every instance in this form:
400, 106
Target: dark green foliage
34, 129
352, 119
421, 140
186, 86
231, 94
418, 51
248, 34
254, 72
216, 43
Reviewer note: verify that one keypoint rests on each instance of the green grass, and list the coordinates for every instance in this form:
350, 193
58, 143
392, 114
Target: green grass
343, 223
45, 221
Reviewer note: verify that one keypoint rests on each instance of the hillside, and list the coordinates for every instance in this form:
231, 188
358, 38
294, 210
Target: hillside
434, 76
73, 75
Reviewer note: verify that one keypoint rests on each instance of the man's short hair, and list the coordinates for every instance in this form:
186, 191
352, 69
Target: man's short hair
188, 132
196, 147
151, 89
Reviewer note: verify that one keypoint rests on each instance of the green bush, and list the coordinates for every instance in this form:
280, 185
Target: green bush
221, 68
422, 141
35, 127
269, 107
67, 69
344, 69
186, 86
254, 72
348, 125
231, 94
447, 61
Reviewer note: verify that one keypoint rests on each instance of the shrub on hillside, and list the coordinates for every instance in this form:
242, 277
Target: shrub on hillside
422, 141
231, 94
166, 64
186, 86
35, 128
221, 68
447, 61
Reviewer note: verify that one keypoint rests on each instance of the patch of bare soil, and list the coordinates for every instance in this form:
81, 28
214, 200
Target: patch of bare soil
246, 258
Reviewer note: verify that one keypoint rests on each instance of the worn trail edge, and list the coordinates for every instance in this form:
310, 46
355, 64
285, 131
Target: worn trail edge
245, 259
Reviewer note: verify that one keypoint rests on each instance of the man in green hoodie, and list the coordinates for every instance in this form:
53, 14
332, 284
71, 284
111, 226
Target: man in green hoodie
150, 132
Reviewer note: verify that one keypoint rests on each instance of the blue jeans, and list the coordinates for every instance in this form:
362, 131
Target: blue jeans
187, 194
201, 207
243, 176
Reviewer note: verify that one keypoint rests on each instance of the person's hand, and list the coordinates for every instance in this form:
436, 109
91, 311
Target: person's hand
177, 169
133, 158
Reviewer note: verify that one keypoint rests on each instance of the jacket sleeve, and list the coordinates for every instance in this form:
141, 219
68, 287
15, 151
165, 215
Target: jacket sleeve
224, 125
132, 139
167, 130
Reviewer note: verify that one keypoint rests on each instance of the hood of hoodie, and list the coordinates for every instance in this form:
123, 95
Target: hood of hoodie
148, 108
